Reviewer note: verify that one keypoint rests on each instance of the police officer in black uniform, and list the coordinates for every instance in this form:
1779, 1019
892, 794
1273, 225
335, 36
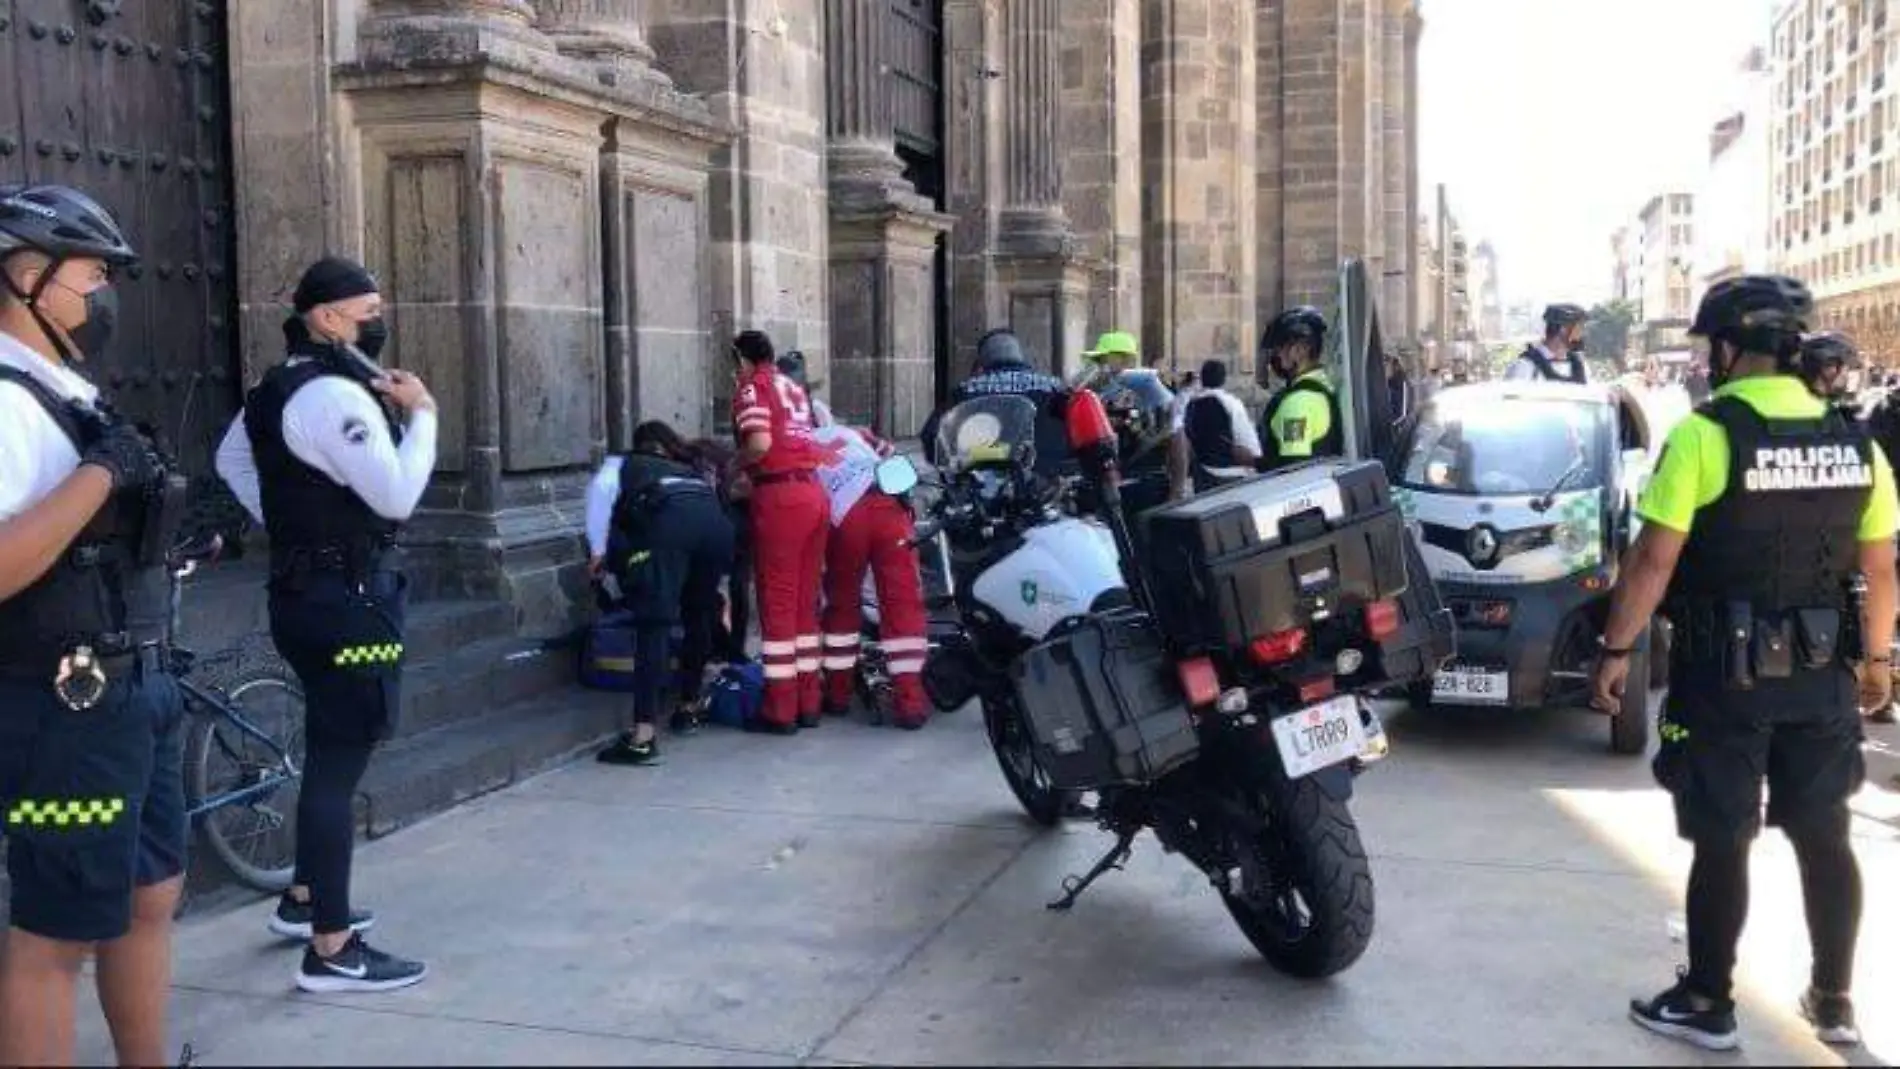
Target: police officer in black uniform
672, 547
1559, 357
90, 722
332, 453
1003, 369
1302, 420
1768, 542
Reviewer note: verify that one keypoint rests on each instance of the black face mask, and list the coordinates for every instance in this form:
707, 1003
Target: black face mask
371, 336
1717, 373
102, 316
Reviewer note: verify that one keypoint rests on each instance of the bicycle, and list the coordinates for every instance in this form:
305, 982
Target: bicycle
266, 765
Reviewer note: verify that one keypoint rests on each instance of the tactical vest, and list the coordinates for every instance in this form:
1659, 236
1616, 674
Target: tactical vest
1548, 372
83, 599
1761, 590
1210, 432
1332, 445
304, 509
649, 486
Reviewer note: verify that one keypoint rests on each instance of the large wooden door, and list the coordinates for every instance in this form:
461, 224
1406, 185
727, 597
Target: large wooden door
126, 100
916, 81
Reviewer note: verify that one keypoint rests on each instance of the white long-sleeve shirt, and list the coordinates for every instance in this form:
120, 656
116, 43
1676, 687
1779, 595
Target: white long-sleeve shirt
336, 426
602, 493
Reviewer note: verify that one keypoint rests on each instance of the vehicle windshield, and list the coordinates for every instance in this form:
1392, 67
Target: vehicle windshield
1485, 445
983, 432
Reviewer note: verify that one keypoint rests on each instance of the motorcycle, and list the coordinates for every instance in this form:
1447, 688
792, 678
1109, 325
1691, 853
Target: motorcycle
1230, 727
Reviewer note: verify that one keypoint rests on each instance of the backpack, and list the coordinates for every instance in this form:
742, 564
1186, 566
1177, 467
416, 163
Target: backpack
608, 661
734, 696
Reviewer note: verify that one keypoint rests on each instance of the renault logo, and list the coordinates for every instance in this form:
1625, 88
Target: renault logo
1481, 545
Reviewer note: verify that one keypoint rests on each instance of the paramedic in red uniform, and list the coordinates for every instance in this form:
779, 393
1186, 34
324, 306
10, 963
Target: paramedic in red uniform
870, 529
791, 517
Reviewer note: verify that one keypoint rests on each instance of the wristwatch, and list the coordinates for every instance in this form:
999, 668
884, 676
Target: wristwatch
1604, 650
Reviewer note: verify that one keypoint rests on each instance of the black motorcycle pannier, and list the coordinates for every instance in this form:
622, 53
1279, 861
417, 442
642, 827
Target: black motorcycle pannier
1289, 550
1104, 705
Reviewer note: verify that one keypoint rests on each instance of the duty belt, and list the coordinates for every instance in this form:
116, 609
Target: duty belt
356, 562
82, 669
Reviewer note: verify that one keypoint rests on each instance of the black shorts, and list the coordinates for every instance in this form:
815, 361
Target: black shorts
94, 803
1716, 768
346, 646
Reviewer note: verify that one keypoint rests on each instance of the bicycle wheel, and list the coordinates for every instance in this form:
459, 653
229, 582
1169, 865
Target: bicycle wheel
255, 836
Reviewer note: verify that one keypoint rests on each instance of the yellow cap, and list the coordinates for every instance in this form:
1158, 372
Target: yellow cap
1115, 343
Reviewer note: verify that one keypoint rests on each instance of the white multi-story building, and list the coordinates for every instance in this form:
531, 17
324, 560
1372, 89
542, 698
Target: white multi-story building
1626, 245
1487, 300
1667, 225
1834, 164
1731, 206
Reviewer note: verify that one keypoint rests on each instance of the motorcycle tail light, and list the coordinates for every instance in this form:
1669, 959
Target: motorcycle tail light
1316, 690
1278, 647
1382, 619
1199, 681
1086, 421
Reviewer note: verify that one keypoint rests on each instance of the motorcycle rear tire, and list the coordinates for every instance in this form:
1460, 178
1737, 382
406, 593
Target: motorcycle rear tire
1045, 803
1319, 843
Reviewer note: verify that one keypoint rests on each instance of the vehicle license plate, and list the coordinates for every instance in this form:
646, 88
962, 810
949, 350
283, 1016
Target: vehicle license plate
1462, 684
1320, 736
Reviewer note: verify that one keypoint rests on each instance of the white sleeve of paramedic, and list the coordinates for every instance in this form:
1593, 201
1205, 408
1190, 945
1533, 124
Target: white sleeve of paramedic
1246, 436
602, 492
336, 426
238, 468
1519, 370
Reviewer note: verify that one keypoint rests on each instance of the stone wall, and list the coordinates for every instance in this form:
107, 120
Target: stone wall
1101, 154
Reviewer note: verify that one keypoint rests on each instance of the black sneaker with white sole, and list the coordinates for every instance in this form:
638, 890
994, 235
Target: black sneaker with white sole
293, 919
357, 967
1682, 1014
1832, 1017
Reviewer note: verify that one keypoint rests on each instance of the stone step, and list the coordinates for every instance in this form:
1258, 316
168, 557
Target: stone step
436, 629
470, 681
425, 774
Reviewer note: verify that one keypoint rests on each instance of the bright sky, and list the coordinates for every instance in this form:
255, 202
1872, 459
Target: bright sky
1551, 122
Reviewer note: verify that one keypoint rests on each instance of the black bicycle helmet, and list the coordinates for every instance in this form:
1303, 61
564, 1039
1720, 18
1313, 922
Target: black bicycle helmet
791, 364
1757, 313
61, 222
1827, 350
1563, 315
998, 349
1304, 323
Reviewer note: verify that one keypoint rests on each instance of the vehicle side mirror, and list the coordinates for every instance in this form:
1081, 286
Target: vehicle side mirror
896, 476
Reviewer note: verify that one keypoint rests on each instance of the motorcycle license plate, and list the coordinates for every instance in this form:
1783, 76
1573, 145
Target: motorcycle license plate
1320, 736
1465, 685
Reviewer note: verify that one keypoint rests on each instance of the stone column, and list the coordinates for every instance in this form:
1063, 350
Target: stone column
883, 237
421, 32
1101, 153
1311, 124
1415, 289
609, 33
1199, 101
1394, 302
973, 100
1044, 279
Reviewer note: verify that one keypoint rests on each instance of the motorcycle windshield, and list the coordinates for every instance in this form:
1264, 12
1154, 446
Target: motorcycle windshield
987, 431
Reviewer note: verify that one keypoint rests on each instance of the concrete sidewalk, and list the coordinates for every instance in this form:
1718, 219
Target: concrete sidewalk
861, 895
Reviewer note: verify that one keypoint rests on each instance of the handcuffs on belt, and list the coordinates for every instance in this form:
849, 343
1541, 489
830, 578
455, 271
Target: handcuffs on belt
81, 681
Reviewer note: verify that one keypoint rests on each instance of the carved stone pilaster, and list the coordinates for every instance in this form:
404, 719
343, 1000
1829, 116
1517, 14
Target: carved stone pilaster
1033, 221
401, 32
861, 158
609, 33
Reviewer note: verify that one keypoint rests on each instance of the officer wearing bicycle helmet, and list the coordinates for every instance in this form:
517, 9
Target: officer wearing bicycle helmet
1559, 357
1002, 368
1764, 506
1826, 359
331, 453
89, 720
1302, 420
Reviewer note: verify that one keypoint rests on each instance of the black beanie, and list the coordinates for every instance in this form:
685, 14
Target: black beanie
754, 347
332, 278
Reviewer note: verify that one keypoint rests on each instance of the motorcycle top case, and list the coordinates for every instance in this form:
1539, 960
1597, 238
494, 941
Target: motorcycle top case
1273, 553
1103, 704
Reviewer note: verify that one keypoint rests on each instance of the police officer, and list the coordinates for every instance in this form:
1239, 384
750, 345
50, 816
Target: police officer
1559, 357
671, 547
1003, 369
89, 722
1826, 359
1764, 507
331, 454
1301, 420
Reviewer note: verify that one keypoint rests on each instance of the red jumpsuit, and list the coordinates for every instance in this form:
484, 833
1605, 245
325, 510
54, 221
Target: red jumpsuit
790, 521
873, 532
